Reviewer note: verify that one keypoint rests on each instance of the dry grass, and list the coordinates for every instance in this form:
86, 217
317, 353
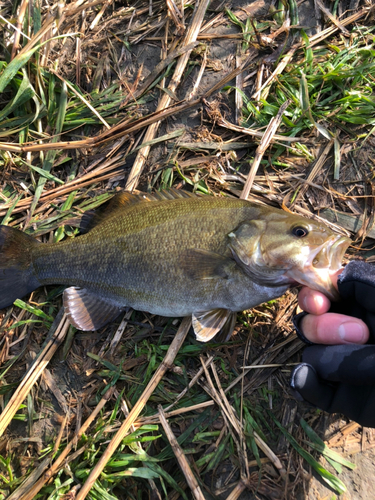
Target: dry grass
95, 97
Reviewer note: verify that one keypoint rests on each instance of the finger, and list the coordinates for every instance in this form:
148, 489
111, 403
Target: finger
315, 302
332, 328
312, 301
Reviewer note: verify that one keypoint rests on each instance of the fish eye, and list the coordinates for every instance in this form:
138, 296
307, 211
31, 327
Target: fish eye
300, 231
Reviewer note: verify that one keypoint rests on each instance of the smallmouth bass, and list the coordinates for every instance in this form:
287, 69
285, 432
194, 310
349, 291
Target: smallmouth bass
174, 254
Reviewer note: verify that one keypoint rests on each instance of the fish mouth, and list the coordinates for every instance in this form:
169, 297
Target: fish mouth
337, 252
323, 264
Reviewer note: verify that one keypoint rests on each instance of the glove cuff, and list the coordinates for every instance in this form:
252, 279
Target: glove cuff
297, 321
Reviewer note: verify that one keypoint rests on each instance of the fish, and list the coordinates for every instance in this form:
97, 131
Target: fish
174, 254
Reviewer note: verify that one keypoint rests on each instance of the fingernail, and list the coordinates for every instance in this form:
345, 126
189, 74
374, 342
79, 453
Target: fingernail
313, 303
352, 332
318, 301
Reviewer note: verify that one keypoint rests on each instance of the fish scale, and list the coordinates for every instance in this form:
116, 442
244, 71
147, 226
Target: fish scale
176, 254
135, 258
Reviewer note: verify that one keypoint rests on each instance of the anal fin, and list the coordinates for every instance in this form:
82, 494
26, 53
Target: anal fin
88, 311
228, 328
207, 324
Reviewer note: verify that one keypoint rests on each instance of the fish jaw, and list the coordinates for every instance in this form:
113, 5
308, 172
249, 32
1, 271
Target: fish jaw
318, 269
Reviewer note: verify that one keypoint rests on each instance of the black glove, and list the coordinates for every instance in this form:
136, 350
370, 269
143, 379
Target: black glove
341, 378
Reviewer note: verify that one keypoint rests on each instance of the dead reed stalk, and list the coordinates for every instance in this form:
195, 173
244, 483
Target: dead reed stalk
57, 334
138, 407
261, 149
190, 37
177, 450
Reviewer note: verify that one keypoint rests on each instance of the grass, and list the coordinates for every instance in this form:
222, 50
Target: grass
66, 81
330, 88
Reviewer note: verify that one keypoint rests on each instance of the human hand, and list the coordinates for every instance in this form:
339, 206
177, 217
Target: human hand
340, 378
330, 328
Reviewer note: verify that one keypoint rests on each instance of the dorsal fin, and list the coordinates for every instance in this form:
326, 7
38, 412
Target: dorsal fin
166, 194
93, 218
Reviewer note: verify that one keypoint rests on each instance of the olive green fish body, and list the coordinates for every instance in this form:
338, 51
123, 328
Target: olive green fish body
137, 258
174, 254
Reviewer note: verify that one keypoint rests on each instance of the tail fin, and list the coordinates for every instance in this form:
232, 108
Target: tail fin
16, 271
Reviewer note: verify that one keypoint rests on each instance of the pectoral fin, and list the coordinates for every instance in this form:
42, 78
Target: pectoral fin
202, 264
207, 324
88, 311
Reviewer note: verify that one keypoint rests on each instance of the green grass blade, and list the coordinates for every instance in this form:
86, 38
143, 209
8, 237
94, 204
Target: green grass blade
333, 481
235, 20
7, 217
25, 92
38, 312
13, 67
47, 175
319, 445
51, 155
